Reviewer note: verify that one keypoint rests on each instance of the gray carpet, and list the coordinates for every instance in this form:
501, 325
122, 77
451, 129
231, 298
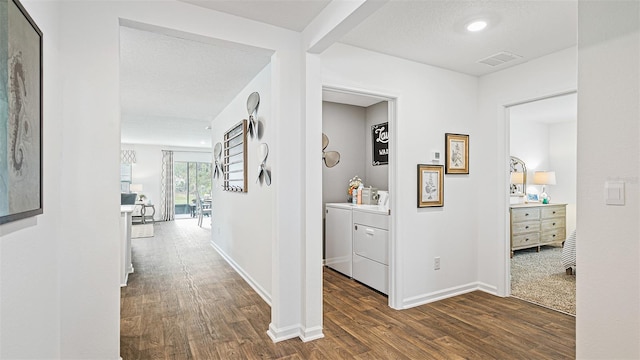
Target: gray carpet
539, 277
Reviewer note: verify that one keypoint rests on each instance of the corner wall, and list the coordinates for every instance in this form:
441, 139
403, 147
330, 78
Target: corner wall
30, 262
539, 78
444, 101
608, 246
88, 250
242, 223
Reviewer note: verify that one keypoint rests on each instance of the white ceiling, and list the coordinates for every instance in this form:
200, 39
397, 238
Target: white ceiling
433, 32
289, 14
172, 86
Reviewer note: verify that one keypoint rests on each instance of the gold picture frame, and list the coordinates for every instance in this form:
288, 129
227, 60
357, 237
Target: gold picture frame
456, 153
430, 185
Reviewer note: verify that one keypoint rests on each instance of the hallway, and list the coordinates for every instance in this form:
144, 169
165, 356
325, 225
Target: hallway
185, 302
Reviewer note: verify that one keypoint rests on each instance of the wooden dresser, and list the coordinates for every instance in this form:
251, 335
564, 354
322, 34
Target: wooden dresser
535, 224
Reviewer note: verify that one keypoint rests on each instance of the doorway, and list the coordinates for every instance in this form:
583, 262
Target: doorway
543, 154
366, 114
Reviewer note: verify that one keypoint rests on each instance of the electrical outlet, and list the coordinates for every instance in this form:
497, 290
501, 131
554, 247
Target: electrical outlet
436, 263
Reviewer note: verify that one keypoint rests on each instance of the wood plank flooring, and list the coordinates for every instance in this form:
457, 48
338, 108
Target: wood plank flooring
185, 302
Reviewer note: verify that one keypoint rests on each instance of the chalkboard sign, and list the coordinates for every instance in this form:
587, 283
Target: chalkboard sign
380, 143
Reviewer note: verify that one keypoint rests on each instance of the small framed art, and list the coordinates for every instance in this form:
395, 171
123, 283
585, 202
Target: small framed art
456, 153
430, 185
532, 197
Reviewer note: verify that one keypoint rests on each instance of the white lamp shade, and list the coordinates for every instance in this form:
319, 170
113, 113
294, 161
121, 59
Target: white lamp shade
136, 188
517, 178
544, 178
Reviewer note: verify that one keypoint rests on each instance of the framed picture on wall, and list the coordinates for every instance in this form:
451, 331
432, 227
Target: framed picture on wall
456, 153
21, 119
430, 185
380, 144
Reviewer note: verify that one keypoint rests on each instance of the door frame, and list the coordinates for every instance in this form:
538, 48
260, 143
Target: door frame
391, 99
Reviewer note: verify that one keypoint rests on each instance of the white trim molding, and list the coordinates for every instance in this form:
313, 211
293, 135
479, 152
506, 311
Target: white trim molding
311, 334
254, 285
444, 294
287, 333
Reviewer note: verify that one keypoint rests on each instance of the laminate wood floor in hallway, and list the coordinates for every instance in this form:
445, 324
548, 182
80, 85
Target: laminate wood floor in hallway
185, 302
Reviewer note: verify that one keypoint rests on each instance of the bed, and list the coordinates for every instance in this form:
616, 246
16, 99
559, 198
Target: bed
569, 254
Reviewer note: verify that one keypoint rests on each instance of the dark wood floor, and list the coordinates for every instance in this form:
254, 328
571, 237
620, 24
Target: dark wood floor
185, 302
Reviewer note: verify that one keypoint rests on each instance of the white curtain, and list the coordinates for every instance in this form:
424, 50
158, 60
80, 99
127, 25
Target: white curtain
167, 208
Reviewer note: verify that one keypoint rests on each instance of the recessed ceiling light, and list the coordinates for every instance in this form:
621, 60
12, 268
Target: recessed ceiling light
208, 127
477, 25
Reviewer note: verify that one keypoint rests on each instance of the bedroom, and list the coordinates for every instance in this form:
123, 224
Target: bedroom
543, 136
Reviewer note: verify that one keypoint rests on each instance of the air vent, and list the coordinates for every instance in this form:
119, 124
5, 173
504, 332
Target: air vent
499, 58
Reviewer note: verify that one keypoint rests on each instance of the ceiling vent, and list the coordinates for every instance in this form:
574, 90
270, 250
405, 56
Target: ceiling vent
499, 58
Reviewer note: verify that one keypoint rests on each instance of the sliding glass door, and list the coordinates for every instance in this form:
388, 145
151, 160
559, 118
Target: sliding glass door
190, 179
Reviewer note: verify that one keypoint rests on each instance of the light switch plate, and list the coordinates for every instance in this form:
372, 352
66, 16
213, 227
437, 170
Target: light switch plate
614, 193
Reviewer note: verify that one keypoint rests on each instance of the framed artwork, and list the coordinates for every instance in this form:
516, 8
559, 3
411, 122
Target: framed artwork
456, 153
532, 197
430, 185
380, 144
20, 113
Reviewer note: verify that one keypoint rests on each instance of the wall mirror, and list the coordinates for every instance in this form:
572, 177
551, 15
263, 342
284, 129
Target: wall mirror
518, 182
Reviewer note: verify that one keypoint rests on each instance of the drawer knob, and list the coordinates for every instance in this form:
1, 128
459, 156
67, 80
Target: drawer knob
526, 214
356, 227
554, 235
554, 224
554, 212
527, 239
526, 227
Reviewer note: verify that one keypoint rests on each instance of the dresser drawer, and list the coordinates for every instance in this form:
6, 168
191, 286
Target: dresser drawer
525, 240
525, 227
552, 224
553, 212
554, 235
525, 214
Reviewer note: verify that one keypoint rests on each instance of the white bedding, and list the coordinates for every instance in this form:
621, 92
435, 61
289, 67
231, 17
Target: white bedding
569, 252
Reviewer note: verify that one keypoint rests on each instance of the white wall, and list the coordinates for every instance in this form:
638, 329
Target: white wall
377, 176
148, 167
242, 223
82, 145
30, 265
443, 102
549, 75
529, 141
344, 125
563, 159
608, 284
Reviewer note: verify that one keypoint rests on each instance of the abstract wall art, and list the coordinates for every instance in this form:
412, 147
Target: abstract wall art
20, 113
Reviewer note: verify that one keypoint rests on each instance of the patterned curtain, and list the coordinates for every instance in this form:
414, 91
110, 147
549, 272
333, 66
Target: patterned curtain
167, 208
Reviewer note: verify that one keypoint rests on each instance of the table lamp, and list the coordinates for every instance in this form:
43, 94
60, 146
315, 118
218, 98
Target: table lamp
136, 188
544, 178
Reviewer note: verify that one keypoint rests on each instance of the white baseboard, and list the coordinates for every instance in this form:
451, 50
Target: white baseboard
493, 290
439, 295
311, 334
254, 285
287, 333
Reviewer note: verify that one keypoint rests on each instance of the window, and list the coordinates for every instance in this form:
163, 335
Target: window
190, 178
